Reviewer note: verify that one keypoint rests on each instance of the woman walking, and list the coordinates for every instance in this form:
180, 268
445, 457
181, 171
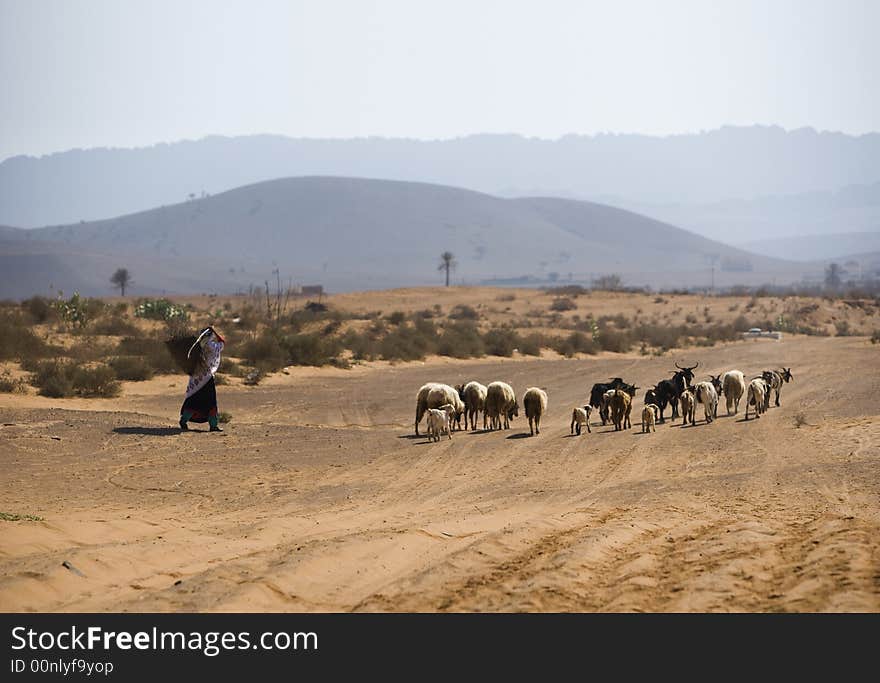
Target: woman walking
201, 394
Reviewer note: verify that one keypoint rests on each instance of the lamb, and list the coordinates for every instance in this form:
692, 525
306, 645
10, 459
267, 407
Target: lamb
756, 396
438, 423
650, 415
705, 393
580, 417
500, 403
688, 403
442, 394
621, 406
535, 405
474, 396
734, 384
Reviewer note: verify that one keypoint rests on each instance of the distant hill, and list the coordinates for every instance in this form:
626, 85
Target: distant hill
817, 247
348, 233
850, 209
739, 162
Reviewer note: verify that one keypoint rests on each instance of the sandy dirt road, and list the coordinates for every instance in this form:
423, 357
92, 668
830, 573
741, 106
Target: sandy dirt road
319, 498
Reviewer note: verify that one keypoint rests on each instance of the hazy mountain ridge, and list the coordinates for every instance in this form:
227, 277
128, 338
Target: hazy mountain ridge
350, 233
745, 162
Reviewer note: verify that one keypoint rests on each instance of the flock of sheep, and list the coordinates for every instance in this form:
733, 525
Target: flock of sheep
443, 406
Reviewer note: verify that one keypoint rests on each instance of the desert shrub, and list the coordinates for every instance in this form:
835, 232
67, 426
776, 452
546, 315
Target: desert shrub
39, 308
89, 349
531, 344
691, 318
224, 418
620, 321
426, 313
160, 309
411, 341
800, 419
461, 340
875, 338
131, 368
99, 381
18, 341
8, 385
53, 378
576, 342
396, 317
568, 290
741, 324
152, 350
505, 297
310, 349
115, 326
660, 336
501, 341
616, 341
563, 304
843, 329
464, 312
363, 345
264, 351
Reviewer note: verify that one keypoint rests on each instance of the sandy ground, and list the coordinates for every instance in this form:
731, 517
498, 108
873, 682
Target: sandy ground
318, 496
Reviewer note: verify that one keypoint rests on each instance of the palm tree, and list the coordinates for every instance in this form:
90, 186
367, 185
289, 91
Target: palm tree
447, 263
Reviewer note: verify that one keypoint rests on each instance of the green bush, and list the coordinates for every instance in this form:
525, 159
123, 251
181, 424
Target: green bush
131, 368
160, 309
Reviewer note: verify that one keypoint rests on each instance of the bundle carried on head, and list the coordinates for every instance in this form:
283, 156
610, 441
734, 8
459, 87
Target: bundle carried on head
186, 350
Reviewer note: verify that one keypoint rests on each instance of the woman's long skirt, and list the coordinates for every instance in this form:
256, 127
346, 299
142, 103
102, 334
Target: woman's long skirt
202, 404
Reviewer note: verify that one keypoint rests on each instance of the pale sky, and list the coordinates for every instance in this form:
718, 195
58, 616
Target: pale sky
125, 73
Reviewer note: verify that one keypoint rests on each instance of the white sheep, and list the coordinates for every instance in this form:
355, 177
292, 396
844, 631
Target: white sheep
650, 415
705, 393
442, 394
535, 405
500, 405
734, 383
422, 402
474, 396
438, 423
756, 395
580, 417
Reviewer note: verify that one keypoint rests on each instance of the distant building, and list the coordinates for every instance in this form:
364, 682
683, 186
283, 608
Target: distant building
312, 290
